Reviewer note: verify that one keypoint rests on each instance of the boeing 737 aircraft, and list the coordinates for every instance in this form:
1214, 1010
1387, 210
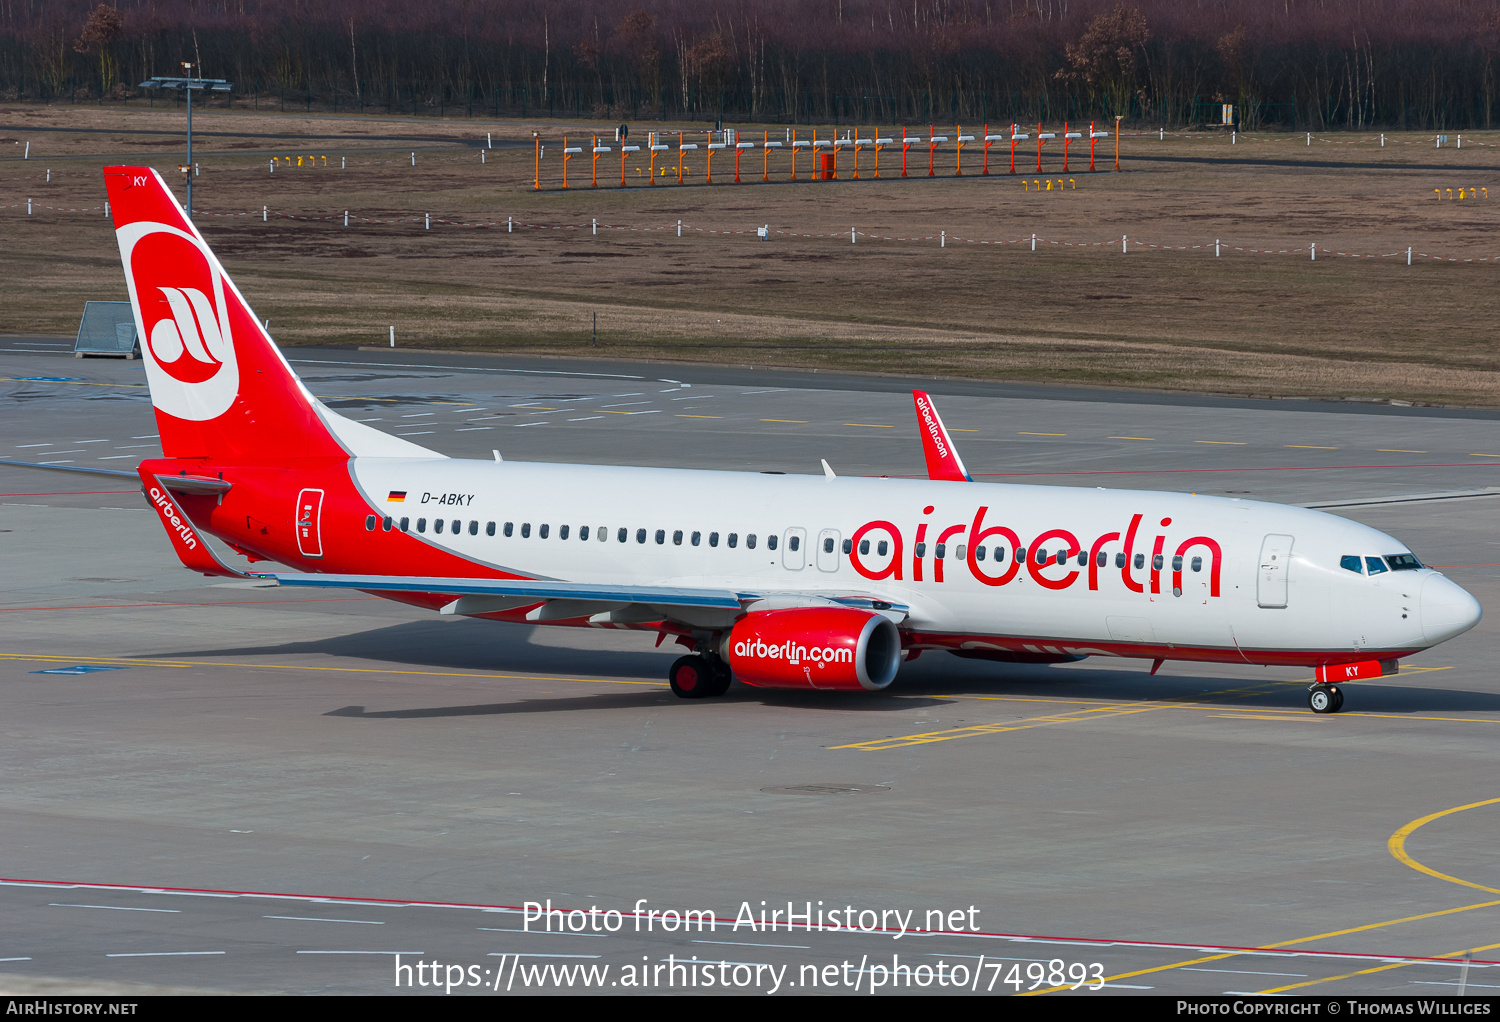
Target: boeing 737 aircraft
781, 581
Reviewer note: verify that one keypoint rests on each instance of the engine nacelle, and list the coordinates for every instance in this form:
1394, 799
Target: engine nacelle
814, 647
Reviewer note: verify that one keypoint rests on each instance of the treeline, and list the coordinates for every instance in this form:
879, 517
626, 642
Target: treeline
1315, 64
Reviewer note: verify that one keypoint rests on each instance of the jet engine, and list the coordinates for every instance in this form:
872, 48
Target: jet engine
834, 648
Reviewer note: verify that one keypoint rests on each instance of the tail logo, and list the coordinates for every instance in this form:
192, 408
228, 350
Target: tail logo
179, 294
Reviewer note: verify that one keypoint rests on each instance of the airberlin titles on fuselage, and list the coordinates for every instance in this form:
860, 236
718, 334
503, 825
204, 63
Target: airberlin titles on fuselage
1039, 554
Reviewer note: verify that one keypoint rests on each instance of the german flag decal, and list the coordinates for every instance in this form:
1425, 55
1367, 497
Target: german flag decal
397, 497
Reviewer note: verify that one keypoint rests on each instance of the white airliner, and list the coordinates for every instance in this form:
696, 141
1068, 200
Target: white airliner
781, 581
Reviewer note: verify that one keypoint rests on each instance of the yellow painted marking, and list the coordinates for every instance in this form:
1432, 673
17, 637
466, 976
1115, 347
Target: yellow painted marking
800, 422
700, 416
1252, 716
1396, 450
1310, 447
1130, 438
1372, 971
927, 738
1024, 433
1287, 943
1484, 455
1397, 845
70, 383
871, 425
540, 408
611, 411
1224, 443
957, 430
146, 662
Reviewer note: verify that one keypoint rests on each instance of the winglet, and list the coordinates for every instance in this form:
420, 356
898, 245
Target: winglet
943, 461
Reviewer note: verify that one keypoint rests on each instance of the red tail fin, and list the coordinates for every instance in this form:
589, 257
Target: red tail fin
220, 386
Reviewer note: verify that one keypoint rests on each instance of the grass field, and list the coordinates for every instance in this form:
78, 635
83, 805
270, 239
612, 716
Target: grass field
1156, 318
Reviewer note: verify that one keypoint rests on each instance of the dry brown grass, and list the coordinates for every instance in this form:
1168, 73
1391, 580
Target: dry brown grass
1155, 318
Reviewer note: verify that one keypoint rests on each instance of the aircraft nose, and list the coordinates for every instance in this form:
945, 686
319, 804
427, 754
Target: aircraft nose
1447, 609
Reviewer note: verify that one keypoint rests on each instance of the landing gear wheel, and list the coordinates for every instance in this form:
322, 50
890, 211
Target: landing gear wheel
718, 680
691, 677
1325, 699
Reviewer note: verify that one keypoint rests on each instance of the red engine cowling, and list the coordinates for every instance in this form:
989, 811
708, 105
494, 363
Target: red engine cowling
814, 647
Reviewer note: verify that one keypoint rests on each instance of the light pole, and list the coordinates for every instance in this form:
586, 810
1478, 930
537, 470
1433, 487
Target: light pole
189, 82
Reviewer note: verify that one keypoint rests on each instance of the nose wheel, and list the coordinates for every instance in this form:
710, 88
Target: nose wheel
1325, 699
698, 677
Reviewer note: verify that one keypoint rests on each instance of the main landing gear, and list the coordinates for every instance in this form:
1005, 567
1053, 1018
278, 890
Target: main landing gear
1325, 699
699, 677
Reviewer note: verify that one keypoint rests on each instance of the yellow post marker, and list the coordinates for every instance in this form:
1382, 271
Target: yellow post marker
1049, 186
878, 147
1450, 194
1439, 192
595, 179
679, 157
566, 157
1073, 183
765, 156
958, 165
794, 154
856, 156
1117, 141
537, 181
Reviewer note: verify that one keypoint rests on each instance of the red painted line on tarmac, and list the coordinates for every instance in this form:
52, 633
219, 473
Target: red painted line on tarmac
68, 493
222, 603
1037, 938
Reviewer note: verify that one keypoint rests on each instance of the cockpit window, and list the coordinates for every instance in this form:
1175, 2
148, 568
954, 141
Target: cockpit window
1375, 564
1402, 562
1351, 562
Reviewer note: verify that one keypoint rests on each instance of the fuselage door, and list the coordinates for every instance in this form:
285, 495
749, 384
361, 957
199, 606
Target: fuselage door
310, 523
794, 549
1275, 563
828, 550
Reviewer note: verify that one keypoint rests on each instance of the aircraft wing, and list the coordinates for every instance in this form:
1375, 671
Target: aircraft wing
578, 599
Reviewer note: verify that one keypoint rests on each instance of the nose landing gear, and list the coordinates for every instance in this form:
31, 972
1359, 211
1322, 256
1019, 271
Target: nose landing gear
1325, 699
698, 677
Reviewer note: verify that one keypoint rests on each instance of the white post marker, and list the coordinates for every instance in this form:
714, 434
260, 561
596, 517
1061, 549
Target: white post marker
943, 239
1408, 255
106, 207
1382, 140
489, 142
1309, 138
596, 225
679, 228
28, 207
346, 218
481, 156
1216, 248
1124, 244
1033, 242
28, 152
413, 159
851, 235
273, 166
49, 175
1313, 249
1162, 135
393, 336
428, 217
1234, 138
343, 162
510, 226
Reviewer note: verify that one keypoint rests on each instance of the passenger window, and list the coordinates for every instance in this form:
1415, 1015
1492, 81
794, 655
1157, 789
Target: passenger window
1020, 554
959, 553
405, 522
583, 532
1062, 557
940, 550
696, 538
1177, 563
771, 541
1375, 564
1156, 562
979, 553
1197, 564
734, 539
848, 546
489, 529
421, 525
603, 534
750, 541
369, 523
795, 542
457, 526
510, 527
640, 535
620, 536
1000, 554
562, 532
437, 525
713, 539
525, 530
542, 531
882, 547
473, 528
1120, 559
661, 536
864, 547
1102, 561
676, 538
920, 549
1140, 561
1083, 559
